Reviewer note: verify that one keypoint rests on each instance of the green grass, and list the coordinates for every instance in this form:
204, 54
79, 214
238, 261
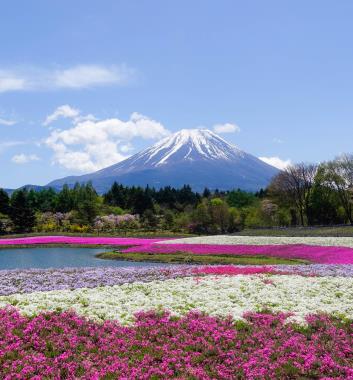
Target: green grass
185, 258
345, 231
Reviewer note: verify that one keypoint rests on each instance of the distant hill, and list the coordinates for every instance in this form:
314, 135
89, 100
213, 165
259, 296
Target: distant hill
28, 187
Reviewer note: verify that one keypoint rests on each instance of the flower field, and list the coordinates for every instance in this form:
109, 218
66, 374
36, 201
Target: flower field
182, 321
221, 296
323, 250
160, 347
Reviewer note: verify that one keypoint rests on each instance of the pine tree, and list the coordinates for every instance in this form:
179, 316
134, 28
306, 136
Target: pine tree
87, 204
4, 202
64, 200
21, 213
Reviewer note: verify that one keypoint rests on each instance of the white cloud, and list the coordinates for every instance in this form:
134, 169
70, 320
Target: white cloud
7, 122
276, 162
75, 77
4, 145
126, 148
24, 158
91, 145
277, 141
11, 82
83, 76
64, 111
226, 128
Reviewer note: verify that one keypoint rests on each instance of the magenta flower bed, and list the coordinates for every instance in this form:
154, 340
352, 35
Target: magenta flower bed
317, 254
66, 346
77, 240
232, 270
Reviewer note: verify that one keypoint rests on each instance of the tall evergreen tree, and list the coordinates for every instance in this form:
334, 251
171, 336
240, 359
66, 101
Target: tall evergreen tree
64, 200
21, 214
87, 203
4, 202
206, 193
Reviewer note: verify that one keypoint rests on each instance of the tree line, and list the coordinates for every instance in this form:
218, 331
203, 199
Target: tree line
300, 195
81, 209
316, 194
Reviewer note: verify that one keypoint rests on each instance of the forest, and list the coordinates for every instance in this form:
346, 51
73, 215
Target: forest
301, 195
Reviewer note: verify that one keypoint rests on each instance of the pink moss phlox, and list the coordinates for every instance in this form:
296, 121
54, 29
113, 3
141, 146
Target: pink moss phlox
317, 254
159, 346
78, 240
231, 270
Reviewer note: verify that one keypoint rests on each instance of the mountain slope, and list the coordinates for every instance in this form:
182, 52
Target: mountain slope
191, 156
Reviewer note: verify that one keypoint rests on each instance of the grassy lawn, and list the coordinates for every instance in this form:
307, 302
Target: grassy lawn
186, 258
305, 231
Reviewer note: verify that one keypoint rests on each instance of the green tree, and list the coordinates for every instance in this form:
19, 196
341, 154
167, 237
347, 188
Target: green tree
219, 214
206, 193
150, 218
168, 219
64, 200
4, 202
338, 175
141, 201
234, 220
325, 203
292, 187
240, 199
253, 217
5, 224
43, 200
87, 204
21, 214
116, 196
201, 218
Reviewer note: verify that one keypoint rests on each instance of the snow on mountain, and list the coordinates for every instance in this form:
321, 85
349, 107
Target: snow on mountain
190, 144
185, 145
197, 157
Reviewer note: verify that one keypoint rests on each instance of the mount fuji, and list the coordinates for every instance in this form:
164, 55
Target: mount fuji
197, 157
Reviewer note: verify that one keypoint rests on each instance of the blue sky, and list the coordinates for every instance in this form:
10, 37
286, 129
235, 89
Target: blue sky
84, 84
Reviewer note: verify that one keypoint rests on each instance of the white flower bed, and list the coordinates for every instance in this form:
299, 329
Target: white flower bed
264, 240
223, 296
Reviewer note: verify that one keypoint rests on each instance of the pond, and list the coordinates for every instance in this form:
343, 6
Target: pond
57, 257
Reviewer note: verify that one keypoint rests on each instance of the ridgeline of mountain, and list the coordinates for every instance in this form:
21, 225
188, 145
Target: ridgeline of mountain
197, 157
26, 187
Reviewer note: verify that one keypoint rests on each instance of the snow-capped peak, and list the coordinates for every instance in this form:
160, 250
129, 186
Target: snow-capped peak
189, 144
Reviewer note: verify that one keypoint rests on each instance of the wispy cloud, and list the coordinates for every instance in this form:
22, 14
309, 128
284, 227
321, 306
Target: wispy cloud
4, 145
7, 122
11, 82
74, 77
276, 162
226, 128
64, 111
84, 76
24, 158
277, 141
